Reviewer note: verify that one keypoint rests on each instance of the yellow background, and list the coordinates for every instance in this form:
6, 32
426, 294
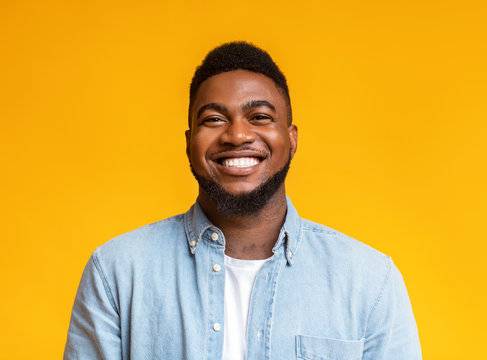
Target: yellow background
390, 101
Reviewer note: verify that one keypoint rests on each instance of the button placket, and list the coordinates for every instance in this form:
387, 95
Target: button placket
216, 291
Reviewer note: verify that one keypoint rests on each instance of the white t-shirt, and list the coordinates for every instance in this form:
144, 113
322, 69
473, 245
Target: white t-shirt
239, 280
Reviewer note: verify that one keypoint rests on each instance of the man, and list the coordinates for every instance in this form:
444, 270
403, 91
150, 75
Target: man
240, 275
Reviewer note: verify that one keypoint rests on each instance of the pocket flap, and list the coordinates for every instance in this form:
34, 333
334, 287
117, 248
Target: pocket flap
317, 348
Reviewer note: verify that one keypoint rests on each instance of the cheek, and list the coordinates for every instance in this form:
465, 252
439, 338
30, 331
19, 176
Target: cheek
279, 145
199, 146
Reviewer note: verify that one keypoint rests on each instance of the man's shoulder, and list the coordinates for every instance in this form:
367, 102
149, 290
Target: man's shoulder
341, 250
144, 240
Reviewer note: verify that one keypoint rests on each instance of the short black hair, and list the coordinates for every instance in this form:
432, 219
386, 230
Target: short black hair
234, 56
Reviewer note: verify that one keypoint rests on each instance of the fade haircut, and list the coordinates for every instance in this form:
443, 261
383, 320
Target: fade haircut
238, 55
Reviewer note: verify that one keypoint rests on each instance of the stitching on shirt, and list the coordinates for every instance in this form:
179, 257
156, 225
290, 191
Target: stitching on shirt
188, 229
104, 280
172, 219
271, 304
299, 239
319, 229
381, 292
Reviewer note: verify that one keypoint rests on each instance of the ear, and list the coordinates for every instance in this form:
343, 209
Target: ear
187, 134
293, 138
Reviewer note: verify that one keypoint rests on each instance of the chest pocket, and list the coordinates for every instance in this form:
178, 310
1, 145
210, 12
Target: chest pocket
316, 348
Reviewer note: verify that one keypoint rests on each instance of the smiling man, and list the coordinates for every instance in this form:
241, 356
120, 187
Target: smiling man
240, 275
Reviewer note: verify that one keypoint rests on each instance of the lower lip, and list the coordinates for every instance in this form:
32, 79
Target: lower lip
238, 171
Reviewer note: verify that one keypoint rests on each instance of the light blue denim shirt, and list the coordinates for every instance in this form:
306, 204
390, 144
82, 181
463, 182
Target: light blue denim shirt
153, 294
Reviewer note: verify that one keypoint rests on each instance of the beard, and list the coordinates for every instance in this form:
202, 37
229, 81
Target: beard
248, 203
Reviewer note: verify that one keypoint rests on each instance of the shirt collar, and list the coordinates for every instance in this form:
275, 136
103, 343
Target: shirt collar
196, 224
291, 232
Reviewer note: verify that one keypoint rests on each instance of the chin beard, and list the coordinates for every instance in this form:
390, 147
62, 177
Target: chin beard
248, 203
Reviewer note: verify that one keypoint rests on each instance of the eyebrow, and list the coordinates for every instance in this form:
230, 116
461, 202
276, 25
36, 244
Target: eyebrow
212, 106
252, 104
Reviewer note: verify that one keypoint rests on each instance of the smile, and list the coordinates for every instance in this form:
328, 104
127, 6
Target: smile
239, 162
242, 162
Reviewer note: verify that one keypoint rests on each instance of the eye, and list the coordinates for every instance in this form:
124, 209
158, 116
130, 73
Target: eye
212, 121
261, 118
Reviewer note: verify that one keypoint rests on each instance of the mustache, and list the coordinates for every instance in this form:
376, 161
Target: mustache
224, 149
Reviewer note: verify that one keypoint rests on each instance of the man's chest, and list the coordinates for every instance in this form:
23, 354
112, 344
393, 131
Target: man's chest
292, 312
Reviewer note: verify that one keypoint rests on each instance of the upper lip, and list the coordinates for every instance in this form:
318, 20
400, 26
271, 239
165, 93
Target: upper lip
238, 154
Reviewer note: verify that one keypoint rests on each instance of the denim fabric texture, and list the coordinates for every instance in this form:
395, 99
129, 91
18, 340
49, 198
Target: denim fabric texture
153, 293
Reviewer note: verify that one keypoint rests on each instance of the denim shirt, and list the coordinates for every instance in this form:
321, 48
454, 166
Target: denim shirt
153, 293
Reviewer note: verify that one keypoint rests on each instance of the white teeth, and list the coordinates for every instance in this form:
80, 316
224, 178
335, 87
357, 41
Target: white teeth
241, 162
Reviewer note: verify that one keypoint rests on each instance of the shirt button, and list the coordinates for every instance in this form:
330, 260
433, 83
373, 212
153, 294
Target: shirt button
214, 236
216, 267
217, 327
192, 243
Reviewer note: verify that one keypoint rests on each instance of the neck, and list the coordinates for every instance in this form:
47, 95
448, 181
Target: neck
249, 236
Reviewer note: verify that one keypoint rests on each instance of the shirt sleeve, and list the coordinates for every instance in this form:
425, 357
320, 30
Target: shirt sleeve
391, 332
94, 329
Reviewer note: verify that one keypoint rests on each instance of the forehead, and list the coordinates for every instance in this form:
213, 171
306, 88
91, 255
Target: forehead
238, 86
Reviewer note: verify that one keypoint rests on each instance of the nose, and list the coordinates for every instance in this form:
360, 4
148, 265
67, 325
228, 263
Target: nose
238, 132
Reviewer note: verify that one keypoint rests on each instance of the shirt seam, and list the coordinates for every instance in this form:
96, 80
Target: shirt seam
106, 285
381, 292
268, 337
318, 230
294, 247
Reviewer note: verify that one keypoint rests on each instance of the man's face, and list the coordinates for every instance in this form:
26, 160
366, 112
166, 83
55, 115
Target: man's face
239, 136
